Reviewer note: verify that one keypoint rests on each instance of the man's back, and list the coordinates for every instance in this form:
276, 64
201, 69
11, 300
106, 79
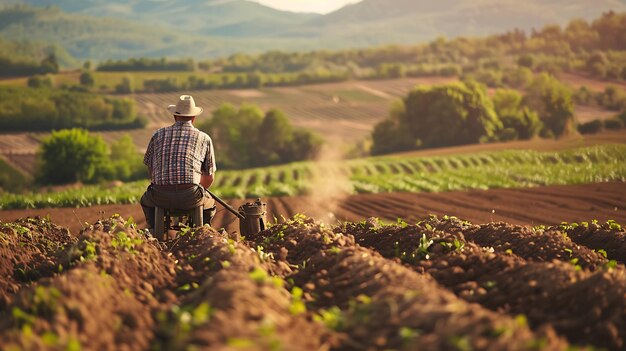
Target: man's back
179, 154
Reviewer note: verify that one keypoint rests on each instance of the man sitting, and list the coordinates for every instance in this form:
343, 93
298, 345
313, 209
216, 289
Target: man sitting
181, 162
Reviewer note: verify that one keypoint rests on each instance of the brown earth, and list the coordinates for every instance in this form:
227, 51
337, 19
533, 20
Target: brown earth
533, 206
441, 284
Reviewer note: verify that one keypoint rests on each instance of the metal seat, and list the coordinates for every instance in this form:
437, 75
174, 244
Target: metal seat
163, 219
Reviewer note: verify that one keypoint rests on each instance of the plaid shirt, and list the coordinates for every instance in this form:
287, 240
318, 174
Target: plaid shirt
179, 154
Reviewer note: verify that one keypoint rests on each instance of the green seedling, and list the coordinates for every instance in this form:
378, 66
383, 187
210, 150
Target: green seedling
297, 306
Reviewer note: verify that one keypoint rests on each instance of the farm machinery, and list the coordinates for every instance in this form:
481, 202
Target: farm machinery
252, 217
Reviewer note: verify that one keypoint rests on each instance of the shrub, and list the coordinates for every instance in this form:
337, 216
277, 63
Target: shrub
622, 117
11, 179
86, 79
553, 102
125, 87
39, 82
524, 122
596, 64
526, 60
72, 155
583, 96
613, 124
613, 98
248, 138
517, 78
126, 163
591, 127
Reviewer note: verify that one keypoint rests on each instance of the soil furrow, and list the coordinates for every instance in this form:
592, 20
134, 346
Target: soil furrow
584, 306
375, 301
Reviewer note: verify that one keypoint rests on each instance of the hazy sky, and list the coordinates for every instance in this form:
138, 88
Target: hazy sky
319, 6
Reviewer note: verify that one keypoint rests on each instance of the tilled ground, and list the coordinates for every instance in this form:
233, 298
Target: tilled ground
441, 284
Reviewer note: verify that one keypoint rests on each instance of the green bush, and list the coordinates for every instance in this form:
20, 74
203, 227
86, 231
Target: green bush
72, 155
583, 96
613, 98
86, 79
126, 163
39, 82
517, 78
441, 115
11, 179
591, 127
553, 102
519, 122
248, 138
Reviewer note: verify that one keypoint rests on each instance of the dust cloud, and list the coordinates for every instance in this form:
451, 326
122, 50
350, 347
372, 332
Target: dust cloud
330, 184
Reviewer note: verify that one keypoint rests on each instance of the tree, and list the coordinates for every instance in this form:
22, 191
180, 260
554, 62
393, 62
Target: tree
527, 61
274, 135
50, 64
126, 163
306, 145
389, 135
125, 87
553, 102
234, 133
72, 155
38, 81
453, 114
597, 64
518, 121
613, 98
86, 79
248, 138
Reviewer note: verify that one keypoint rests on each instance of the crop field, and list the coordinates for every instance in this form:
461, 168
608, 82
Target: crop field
487, 170
439, 284
355, 107
342, 113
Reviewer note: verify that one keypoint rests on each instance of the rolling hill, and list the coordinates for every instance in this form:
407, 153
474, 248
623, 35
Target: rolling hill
99, 29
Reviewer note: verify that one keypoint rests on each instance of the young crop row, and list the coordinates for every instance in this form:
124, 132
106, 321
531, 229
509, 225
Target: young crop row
505, 169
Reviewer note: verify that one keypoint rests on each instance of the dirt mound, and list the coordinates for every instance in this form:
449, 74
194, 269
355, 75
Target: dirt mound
25, 246
441, 284
609, 237
583, 302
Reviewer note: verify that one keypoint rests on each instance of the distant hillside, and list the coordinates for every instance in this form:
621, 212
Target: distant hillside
194, 16
103, 29
410, 21
35, 52
88, 37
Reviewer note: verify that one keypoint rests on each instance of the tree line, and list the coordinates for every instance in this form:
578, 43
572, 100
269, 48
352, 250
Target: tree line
12, 67
247, 137
462, 113
146, 64
40, 109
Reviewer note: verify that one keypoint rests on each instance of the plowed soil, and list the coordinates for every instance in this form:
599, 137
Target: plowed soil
441, 284
534, 206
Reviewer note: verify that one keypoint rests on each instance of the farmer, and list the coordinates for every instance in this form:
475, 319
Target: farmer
181, 162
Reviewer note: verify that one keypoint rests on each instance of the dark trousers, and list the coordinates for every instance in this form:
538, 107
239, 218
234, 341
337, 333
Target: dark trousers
184, 199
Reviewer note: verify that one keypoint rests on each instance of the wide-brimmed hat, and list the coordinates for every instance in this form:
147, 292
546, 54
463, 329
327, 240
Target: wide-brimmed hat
185, 107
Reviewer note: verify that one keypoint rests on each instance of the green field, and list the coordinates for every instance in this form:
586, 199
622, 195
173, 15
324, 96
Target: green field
503, 169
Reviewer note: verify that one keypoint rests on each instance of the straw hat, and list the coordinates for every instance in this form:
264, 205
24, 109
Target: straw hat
185, 107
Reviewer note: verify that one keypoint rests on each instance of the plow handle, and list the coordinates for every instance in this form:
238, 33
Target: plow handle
227, 206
